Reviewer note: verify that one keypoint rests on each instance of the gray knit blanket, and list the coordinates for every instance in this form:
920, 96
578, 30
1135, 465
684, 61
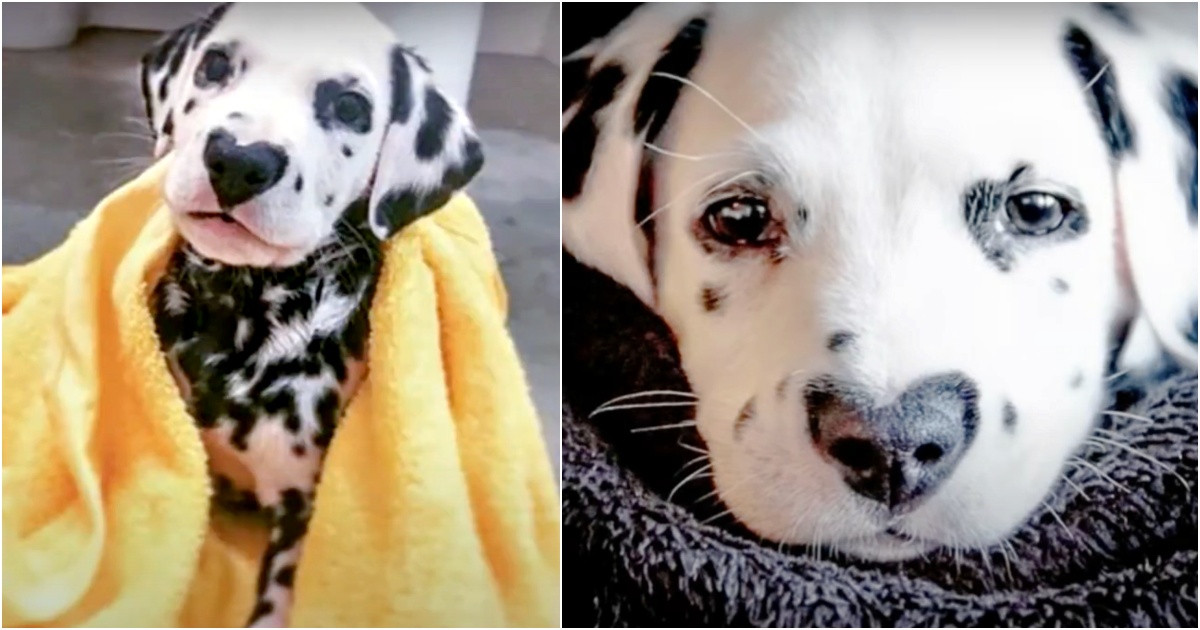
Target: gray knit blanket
1115, 545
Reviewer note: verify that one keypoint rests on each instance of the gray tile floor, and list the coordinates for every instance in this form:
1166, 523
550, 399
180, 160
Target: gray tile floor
73, 131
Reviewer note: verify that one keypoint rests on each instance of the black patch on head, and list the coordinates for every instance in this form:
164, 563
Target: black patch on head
1076, 380
346, 151
1010, 416
329, 200
431, 137
1058, 285
1092, 68
401, 87
210, 21
1119, 13
1181, 105
335, 103
299, 183
659, 94
839, 340
187, 107
580, 135
743, 418
711, 299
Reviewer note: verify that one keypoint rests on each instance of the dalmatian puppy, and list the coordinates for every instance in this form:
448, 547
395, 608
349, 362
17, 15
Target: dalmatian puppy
895, 243
302, 136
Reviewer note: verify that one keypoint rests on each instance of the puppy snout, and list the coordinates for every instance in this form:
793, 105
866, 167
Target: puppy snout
896, 454
239, 172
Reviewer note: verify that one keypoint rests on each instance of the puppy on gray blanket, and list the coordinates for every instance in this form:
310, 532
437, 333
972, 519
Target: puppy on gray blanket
303, 135
902, 249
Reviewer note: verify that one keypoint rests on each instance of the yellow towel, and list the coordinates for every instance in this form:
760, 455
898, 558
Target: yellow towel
436, 507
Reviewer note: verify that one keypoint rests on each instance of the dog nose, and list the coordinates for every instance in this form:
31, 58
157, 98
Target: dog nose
900, 453
238, 172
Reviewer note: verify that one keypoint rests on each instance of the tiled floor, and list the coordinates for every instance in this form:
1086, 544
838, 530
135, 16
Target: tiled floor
73, 131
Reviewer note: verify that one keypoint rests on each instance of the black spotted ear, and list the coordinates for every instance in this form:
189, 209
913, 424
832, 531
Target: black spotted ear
1138, 77
162, 74
430, 149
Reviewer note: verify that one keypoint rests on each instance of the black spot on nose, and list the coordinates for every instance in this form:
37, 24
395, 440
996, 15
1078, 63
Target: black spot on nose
239, 172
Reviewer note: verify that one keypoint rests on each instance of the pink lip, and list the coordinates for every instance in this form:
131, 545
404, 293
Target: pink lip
224, 226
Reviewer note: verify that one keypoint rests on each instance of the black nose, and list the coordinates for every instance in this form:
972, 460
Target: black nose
899, 453
238, 172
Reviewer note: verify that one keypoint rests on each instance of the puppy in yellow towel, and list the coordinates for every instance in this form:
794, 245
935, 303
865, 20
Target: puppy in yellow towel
302, 138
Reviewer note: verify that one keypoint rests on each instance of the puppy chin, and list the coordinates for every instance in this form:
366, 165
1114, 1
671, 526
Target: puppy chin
232, 244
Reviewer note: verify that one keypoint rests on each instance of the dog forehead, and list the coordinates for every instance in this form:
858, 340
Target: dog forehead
844, 93
322, 37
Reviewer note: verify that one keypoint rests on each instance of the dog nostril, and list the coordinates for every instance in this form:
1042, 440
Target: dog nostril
856, 454
928, 453
255, 178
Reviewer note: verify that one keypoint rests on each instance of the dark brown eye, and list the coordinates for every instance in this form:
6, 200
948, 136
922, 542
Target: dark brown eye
215, 68
1037, 213
738, 221
353, 110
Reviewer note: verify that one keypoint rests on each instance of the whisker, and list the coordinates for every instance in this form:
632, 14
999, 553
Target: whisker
1100, 473
664, 427
698, 474
1115, 375
1146, 456
1076, 487
1054, 513
1096, 78
1126, 415
654, 405
653, 392
694, 449
683, 156
715, 100
693, 186
716, 516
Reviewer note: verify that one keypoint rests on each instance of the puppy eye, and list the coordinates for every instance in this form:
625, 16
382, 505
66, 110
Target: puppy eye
215, 68
738, 221
1037, 213
353, 110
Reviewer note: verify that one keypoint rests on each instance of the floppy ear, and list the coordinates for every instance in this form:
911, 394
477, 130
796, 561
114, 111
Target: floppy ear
164, 72
612, 108
1139, 77
430, 149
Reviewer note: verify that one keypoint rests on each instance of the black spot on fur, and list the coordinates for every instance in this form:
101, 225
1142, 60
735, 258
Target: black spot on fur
580, 135
743, 418
711, 299
839, 340
1092, 67
1181, 104
659, 94
285, 576
299, 450
346, 151
431, 137
401, 87
643, 208
210, 21
329, 200
299, 183
261, 609
189, 105
1010, 416
1058, 285
169, 124
1076, 380
236, 115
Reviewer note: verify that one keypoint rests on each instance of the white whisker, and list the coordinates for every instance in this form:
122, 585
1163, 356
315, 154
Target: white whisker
1054, 513
640, 406
693, 186
643, 394
698, 474
684, 156
664, 427
715, 100
1126, 415
1146, 456
1096, 78
1100, 473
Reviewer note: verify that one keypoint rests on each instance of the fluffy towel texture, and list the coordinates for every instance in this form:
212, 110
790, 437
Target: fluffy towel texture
1123, 554
437, 505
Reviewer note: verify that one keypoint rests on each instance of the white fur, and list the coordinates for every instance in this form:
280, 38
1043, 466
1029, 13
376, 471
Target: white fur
876, 119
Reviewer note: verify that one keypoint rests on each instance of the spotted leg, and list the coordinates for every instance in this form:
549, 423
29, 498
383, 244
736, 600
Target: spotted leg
289, 523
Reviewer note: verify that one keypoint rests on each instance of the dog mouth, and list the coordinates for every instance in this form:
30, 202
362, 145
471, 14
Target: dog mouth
221, 216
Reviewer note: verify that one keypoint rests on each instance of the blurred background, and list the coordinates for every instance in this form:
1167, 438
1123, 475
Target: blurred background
74, 130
